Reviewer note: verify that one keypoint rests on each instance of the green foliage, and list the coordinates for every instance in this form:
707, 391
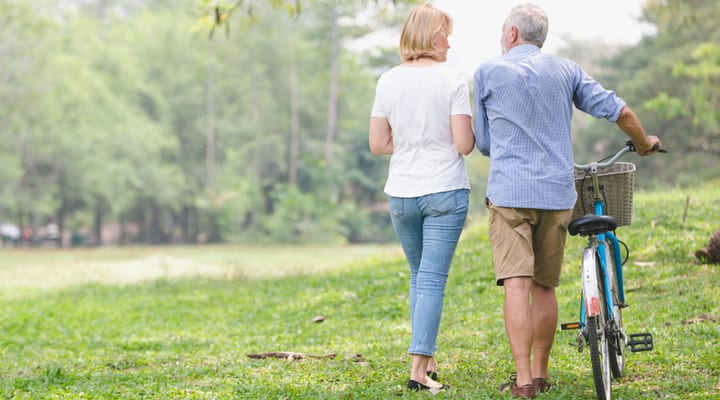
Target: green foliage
294, 220
667, 107
304, 218
705, 73
216, 14
121, 116
670, 80
112, 120
190, 338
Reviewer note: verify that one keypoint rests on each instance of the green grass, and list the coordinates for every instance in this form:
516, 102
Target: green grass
74, 332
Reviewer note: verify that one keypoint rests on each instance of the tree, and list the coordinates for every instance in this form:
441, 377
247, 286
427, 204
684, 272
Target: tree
105, 123
670, 80
215, 14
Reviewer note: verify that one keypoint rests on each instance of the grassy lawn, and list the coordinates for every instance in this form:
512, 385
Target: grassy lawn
179, 322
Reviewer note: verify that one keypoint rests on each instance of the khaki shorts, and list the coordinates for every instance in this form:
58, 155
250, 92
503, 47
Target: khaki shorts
528, 242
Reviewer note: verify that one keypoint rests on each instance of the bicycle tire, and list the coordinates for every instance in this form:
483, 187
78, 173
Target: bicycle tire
602, 388
616, 338
600, 346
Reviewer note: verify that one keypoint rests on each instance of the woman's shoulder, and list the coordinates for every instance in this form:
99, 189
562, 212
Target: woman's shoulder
445, 70
394, 71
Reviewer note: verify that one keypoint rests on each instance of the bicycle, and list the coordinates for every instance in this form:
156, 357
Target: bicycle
603, 295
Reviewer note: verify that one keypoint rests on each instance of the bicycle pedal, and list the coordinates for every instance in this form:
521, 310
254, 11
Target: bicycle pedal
569, 326
640, 342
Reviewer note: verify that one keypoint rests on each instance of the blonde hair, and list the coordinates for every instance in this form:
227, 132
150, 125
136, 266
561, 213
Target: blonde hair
421, 25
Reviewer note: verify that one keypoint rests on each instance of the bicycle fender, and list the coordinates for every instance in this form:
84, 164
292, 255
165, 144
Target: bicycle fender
591, 292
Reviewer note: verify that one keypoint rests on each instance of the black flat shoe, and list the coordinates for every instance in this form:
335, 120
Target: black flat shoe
417, 386
433, 375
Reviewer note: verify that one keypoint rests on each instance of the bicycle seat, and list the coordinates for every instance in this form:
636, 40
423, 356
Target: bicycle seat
592, 225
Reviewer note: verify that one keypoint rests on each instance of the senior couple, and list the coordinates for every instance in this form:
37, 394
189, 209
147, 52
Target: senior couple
522, 105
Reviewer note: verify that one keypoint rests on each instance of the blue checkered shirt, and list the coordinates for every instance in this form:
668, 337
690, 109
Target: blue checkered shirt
523, 108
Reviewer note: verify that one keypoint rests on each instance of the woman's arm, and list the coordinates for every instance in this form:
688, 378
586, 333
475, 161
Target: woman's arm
462, 133
380, 136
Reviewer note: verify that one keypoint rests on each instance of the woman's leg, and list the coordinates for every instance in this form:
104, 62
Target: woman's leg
407, 221
444, 217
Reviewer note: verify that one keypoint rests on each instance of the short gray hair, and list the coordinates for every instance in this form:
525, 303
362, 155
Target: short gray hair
531, 22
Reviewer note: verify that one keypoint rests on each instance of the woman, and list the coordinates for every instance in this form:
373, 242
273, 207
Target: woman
422, 118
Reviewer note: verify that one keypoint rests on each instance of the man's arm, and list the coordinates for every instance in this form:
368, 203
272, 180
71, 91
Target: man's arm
482, 132
629, 123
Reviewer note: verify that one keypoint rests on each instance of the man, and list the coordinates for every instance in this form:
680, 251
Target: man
523, 107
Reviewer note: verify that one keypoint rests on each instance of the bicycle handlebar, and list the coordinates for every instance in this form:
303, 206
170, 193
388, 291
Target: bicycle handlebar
629, 147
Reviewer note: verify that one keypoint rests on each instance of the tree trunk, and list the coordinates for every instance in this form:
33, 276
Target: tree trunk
155, 231
210, 110
61, 224
334, 87
60, 213
97, 224
294, 115
187, 236
123, 230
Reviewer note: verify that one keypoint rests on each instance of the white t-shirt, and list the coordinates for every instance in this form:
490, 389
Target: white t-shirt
418, 103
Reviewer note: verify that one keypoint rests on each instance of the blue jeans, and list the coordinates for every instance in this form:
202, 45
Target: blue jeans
428, 228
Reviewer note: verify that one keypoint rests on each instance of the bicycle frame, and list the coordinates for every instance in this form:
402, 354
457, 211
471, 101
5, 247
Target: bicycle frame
597, 245
590, 305
603, 294
600, 323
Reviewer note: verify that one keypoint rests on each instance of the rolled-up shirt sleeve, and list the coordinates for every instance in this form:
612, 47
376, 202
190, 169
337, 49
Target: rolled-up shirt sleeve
592, 98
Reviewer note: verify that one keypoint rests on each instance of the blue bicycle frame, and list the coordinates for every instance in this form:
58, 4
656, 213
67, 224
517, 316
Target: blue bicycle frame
603, 294
602, 256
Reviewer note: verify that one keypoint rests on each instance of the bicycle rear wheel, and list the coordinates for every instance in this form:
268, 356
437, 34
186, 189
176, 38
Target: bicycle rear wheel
601, 349
597, 343
616, 337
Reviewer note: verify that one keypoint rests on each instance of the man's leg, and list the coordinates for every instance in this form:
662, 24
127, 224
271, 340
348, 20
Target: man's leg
518, 327
544, 313
549, 248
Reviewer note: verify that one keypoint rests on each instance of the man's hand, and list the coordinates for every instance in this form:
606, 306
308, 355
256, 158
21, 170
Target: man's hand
650, 145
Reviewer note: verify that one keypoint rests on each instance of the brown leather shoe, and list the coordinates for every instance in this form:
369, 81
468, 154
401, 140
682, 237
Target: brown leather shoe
541, 385
523, 392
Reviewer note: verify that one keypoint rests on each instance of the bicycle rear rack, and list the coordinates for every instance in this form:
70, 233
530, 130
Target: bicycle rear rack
640, 342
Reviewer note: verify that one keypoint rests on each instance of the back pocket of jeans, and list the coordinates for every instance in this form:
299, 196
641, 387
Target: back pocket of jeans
447, 201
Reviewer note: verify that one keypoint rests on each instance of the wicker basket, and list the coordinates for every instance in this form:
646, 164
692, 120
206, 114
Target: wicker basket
616, 185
